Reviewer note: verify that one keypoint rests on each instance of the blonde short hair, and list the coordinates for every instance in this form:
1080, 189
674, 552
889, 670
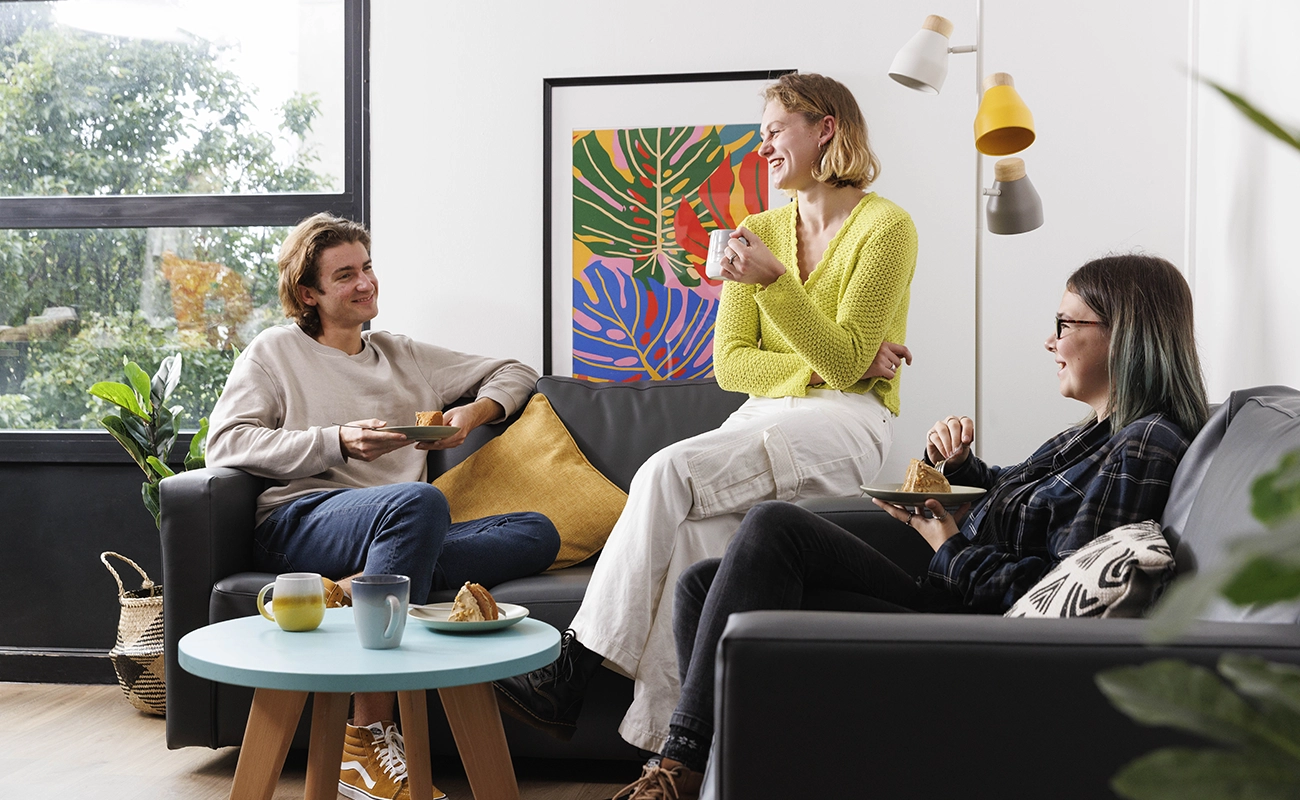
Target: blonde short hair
847, 159
298, 261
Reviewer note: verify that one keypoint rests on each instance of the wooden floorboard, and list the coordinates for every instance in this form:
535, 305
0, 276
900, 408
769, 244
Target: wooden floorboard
71, 741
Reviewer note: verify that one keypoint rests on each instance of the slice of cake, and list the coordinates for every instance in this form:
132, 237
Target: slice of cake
428, 418
922, 477
473, 604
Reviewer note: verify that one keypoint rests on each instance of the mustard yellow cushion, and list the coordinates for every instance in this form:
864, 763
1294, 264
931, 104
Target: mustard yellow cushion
536, 466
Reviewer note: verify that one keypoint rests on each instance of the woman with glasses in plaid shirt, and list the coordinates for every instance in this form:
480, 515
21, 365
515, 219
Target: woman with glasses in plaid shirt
1124, 345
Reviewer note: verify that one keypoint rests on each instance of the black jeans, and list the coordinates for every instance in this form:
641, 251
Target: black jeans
783, 557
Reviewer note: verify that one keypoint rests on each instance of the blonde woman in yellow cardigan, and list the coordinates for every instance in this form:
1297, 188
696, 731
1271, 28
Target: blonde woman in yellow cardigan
817, 293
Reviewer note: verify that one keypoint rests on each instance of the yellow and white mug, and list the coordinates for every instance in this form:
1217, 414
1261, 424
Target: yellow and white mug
298, 603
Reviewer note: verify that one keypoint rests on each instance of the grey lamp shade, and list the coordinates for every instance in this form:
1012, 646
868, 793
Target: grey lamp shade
1014, 205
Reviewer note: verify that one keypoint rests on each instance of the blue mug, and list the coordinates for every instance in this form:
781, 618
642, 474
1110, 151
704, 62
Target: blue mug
379, 604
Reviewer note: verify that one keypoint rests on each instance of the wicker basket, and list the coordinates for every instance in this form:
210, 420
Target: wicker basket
138, 655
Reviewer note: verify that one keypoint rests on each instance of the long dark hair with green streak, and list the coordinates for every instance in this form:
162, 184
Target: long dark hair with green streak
1146, 304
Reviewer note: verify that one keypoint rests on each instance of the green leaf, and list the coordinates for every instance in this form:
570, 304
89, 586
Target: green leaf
119, 394
140, 382
141, 432
164, 431
1275, 495
160, 469
149, 493
1255, 115
166, 379
1262, 679
1183, 696
1187, 774
621, 213
118, 428
197, 457
1264, 579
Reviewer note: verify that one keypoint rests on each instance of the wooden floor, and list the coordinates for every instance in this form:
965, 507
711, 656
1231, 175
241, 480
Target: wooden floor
88, 742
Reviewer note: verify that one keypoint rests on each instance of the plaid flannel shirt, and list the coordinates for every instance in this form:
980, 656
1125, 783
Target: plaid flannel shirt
1079, 485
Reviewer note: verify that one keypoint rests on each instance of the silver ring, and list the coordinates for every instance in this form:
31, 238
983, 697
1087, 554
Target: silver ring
910, 514
732, 259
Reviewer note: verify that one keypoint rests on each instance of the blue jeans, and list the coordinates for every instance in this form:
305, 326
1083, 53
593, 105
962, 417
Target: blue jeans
402, 529
782, 558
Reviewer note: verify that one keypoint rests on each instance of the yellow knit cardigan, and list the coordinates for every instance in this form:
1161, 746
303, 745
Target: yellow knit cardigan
769, 341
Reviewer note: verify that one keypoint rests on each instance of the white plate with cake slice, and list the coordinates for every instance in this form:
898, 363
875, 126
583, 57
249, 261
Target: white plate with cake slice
434, 616
893, 493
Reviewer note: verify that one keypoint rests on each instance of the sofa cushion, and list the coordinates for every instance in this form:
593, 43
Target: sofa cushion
1118, 574
535, 466
619, 426
1261, 431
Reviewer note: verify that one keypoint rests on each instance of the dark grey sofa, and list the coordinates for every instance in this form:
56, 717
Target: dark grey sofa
207, 522
836, 704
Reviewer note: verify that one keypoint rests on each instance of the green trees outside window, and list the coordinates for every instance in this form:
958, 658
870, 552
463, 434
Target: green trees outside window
95, 115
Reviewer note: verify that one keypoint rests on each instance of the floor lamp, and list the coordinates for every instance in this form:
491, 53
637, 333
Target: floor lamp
1003, 126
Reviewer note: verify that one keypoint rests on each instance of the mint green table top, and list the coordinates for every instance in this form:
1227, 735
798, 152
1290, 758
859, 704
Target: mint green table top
253, 651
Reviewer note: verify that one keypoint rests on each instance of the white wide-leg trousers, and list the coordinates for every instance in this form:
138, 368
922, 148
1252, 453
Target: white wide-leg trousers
685, 504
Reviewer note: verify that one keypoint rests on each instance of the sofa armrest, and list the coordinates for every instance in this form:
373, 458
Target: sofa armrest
834, 704
896, 541
207, 533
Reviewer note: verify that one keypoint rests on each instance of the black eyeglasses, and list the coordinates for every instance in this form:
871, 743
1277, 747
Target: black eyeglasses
1063, 321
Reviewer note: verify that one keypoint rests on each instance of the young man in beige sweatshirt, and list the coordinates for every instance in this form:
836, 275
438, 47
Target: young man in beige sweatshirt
306, 405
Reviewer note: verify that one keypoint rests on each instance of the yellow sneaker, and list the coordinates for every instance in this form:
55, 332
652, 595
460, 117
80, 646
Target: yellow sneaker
335, 597
374, 764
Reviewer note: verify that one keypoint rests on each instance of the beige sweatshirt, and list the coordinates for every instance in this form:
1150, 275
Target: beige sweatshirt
278, 416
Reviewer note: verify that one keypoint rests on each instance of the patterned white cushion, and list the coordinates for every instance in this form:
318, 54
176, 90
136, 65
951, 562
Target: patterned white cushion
1119, 574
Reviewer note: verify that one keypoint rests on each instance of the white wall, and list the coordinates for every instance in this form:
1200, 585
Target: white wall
1246, 205
1107, 85
456, 177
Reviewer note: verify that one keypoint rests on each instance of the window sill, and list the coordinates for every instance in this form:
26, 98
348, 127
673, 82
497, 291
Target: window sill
73, 447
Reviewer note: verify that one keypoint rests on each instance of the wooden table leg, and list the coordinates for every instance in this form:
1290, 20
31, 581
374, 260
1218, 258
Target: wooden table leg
475, 721
271, 723
329, 716
415, 737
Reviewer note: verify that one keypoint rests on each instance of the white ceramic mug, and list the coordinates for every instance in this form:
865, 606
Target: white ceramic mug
379, 604
298, 603
718, 239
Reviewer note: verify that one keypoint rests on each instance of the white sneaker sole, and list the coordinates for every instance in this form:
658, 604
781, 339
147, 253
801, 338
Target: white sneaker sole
348, 790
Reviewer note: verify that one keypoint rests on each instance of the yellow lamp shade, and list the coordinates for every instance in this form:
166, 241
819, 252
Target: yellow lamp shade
1003, 124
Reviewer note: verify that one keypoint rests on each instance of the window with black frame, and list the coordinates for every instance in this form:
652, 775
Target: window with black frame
153, 153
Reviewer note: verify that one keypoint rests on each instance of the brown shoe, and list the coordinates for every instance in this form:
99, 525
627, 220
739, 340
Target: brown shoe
664, 779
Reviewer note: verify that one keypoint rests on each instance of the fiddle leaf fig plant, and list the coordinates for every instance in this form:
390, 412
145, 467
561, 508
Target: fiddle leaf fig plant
1248, 706
146, 426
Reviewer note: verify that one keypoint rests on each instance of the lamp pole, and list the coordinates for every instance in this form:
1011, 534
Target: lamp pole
979, 226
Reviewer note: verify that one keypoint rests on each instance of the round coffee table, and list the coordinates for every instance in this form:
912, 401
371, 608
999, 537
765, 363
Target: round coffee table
285, 667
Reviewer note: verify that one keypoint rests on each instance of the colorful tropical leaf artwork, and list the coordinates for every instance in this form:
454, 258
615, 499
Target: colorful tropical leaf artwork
644, 202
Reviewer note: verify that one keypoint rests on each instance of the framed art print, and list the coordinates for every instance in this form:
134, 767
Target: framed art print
637, 171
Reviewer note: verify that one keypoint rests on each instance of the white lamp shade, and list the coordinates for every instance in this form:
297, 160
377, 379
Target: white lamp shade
922, 63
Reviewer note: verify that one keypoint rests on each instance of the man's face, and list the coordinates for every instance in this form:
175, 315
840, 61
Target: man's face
349, 291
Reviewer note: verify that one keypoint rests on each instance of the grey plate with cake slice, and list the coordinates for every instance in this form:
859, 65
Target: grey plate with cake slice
423, 433
434, 616
892, 493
